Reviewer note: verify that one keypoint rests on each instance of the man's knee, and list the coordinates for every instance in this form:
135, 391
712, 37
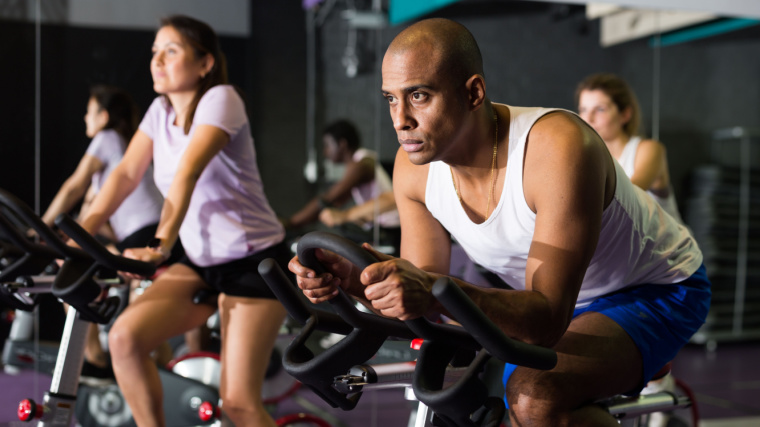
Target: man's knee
536, 400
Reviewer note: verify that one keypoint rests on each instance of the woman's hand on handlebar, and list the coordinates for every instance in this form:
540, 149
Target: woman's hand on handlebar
322, 287
151, 255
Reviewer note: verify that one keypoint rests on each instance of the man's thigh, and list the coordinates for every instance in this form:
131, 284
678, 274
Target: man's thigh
595, 358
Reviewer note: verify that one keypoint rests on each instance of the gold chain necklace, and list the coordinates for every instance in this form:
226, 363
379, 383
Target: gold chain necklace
493, 168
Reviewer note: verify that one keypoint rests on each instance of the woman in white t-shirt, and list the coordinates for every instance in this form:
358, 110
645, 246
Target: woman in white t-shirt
198, 136
111, 120
607, 103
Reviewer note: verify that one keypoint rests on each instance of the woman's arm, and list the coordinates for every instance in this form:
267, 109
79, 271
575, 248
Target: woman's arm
73, 189
120, 183
207, 141
649, 165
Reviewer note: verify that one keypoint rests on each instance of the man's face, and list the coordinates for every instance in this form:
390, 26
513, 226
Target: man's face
331, 148
426, 107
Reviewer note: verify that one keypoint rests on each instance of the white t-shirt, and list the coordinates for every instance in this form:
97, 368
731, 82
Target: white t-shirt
229, 216
638, 242
139, 209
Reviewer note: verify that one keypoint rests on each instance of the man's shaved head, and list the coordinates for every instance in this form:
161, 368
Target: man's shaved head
450, 44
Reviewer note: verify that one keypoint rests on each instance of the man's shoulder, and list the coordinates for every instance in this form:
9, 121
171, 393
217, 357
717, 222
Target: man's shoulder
562, 125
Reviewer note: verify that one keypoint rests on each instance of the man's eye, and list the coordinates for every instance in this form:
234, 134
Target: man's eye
418, 96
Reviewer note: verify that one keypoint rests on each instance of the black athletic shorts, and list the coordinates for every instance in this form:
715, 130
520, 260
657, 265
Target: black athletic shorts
141, 238
241, 277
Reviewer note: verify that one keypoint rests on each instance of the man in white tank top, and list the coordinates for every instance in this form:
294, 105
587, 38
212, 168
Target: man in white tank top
534, 196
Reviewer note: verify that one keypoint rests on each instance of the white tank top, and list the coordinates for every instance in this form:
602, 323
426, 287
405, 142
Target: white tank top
638, 242
628, 159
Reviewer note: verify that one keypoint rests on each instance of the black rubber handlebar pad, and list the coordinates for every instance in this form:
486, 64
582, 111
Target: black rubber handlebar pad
342, 303
487, 333
288, 294
74, 283
99, 252
22, 211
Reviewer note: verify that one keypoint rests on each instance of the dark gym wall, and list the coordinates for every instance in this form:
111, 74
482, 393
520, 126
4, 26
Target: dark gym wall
534, 54
269, 67
17, 109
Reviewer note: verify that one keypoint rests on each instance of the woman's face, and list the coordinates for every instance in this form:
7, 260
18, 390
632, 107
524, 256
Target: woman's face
95, 119
174, 66
598, 110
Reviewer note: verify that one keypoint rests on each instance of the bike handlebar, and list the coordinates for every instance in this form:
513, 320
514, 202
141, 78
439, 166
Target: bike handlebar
98, 252
487, 333
368, 331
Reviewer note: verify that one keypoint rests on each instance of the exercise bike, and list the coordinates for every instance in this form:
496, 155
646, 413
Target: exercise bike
80, 283
24, 264
453, 389
190, 382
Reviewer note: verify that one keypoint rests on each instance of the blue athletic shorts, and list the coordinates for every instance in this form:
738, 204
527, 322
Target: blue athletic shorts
659, 318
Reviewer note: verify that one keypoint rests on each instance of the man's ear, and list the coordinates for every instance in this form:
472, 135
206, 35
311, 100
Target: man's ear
476, 91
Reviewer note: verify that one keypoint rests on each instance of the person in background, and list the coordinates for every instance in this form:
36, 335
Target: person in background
609, 105
364, 181
111, 120
198, 135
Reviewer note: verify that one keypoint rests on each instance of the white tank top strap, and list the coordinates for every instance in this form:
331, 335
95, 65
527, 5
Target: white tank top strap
628, 157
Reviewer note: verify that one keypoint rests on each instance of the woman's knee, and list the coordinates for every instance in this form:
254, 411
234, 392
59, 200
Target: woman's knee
123, 341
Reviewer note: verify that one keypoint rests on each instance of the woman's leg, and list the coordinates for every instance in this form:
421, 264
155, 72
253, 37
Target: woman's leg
249, 329
164, 310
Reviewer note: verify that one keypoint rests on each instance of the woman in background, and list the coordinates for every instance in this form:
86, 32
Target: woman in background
110, 121
609, 105
198, 136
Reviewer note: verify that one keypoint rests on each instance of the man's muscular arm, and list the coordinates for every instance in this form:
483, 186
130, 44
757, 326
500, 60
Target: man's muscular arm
566, 182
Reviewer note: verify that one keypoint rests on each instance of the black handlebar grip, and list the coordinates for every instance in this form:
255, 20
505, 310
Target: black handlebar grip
23, 212
342, 303
289, 296
99, 252
285, 293
487, 333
